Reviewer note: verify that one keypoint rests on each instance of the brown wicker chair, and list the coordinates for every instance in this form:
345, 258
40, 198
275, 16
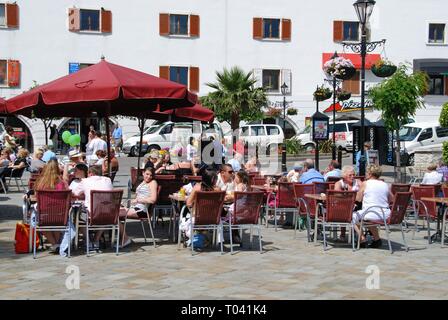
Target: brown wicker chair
306, 207
424, 209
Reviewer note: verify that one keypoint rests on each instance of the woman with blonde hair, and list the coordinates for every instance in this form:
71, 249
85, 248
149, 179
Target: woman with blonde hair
20, 162
51, 179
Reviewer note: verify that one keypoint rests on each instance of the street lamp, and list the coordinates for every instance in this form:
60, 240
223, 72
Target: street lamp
364, 10
284, 89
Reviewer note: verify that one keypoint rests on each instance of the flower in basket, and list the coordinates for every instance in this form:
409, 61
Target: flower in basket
322, 93
291, 111
343, 95
273, 112
339, 67
383, 68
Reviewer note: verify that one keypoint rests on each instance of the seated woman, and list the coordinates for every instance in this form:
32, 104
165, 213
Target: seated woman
37, 163
253, 165
208, 183
19, 163
114, 165
5, 159
241, 184
145, 195
432, 176
165, 163
347, 183
50, 179
373, 192
101, 155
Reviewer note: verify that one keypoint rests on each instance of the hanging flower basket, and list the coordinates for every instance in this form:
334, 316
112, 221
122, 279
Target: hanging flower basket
322, 94
343, 95
273, 112
291, 111
383, 68
339, 68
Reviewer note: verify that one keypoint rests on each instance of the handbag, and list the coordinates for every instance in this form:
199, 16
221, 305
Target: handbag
22, 238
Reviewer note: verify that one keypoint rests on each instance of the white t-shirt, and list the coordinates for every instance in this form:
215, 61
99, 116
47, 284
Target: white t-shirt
432, 177
95, 145
229, 186
376, 193
92, 183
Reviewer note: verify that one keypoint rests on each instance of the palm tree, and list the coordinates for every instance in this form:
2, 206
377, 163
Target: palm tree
235, 98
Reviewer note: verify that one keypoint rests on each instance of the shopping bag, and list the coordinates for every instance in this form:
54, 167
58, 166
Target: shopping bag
22, 238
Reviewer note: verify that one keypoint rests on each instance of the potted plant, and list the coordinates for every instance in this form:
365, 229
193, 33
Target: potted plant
340, 68
291, 112
343, 95
322, 93
273, 112
383, 68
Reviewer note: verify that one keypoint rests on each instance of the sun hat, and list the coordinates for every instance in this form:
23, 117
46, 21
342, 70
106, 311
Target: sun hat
74, 154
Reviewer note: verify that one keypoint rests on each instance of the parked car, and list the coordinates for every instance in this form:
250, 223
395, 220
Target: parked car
265, 135
167, 135
427, 136
343, 135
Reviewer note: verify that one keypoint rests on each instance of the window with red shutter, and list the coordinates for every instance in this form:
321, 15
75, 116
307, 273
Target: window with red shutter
13, 73
352, 85
164, 72
3, 73
12, 15
106, 21
164, 24
194, 79
194, 25
286, 29
258, 28
338, 31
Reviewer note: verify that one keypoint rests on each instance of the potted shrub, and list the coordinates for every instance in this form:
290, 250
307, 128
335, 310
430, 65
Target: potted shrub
343, 95
291, 112
383, 68
322, 93
340, 68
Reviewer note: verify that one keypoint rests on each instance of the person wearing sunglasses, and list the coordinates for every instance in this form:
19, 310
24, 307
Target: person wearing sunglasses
225, 178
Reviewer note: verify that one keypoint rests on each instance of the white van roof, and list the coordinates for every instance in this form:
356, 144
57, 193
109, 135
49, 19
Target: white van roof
423, 124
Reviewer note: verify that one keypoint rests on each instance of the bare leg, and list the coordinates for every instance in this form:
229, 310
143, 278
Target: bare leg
360, 234
375, 233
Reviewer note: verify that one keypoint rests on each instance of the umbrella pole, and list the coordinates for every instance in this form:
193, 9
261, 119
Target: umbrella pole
108, 139
141, 125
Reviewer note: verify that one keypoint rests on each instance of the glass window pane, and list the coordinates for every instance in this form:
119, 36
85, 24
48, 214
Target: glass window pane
90, 20
436, 84
178, 24
271, 28
257, 131
340, 127
245, 131
436, 33
3, 75
271, 80
272, 130
351, 31
179, 75
442, 132
2, 15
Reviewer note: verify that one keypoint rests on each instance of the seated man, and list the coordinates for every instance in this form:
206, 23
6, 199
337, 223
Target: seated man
310, 174
333, 170
69, 168
114, 165
225, 178
93, 182
294, 174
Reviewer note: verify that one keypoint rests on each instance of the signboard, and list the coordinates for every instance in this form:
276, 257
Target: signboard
350, 106
73, 67
372, 157
307, 121
320, 131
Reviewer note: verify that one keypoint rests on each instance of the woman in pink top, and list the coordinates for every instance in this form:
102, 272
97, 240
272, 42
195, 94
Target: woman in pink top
51, 179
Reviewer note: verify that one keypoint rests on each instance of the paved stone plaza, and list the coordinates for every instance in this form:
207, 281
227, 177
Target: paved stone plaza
288, 269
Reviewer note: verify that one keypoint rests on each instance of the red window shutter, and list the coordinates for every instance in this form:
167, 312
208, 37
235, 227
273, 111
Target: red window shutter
352, 85
13, 73
446, 85
194, 25
164, 72
12, 15
338, 31
286, 29
106, 21
258, 28
73, 19
164, 24
194, 79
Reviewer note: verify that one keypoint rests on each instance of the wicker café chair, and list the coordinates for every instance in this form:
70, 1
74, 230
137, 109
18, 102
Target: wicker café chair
397, 214
399, 187
207, 214
53, 209
306, 208
104, 213
323, 187
338, 212
333, 179
169, 184
245, 214
258, 180
424, 209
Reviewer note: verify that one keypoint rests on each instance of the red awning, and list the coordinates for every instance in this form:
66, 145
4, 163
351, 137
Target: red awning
355, 58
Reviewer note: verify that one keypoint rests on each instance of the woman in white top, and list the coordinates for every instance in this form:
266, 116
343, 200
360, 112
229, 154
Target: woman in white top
191, 150
10, 141
432, 176
373, 192
145, 194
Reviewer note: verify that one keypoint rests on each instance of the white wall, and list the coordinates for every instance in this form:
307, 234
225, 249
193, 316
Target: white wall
44, 45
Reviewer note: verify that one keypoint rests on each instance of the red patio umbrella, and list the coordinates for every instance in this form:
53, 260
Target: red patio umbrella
196, 112
3, 106
105, 88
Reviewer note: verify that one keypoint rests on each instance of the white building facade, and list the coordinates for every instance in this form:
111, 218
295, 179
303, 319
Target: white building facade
189, 40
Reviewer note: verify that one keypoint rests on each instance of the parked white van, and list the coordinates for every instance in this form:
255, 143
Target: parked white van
427, 136
343, 135
264, 135
168, 134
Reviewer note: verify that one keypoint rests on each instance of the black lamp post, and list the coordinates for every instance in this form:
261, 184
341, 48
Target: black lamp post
284, 89
364, 10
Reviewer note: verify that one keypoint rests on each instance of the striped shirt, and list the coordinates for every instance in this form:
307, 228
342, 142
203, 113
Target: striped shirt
142, 191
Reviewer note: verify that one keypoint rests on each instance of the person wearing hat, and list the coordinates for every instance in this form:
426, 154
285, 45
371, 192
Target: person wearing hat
294, 174
69, 168
153, 160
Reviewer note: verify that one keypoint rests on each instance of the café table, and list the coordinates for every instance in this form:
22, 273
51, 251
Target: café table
179, 205
444, 203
